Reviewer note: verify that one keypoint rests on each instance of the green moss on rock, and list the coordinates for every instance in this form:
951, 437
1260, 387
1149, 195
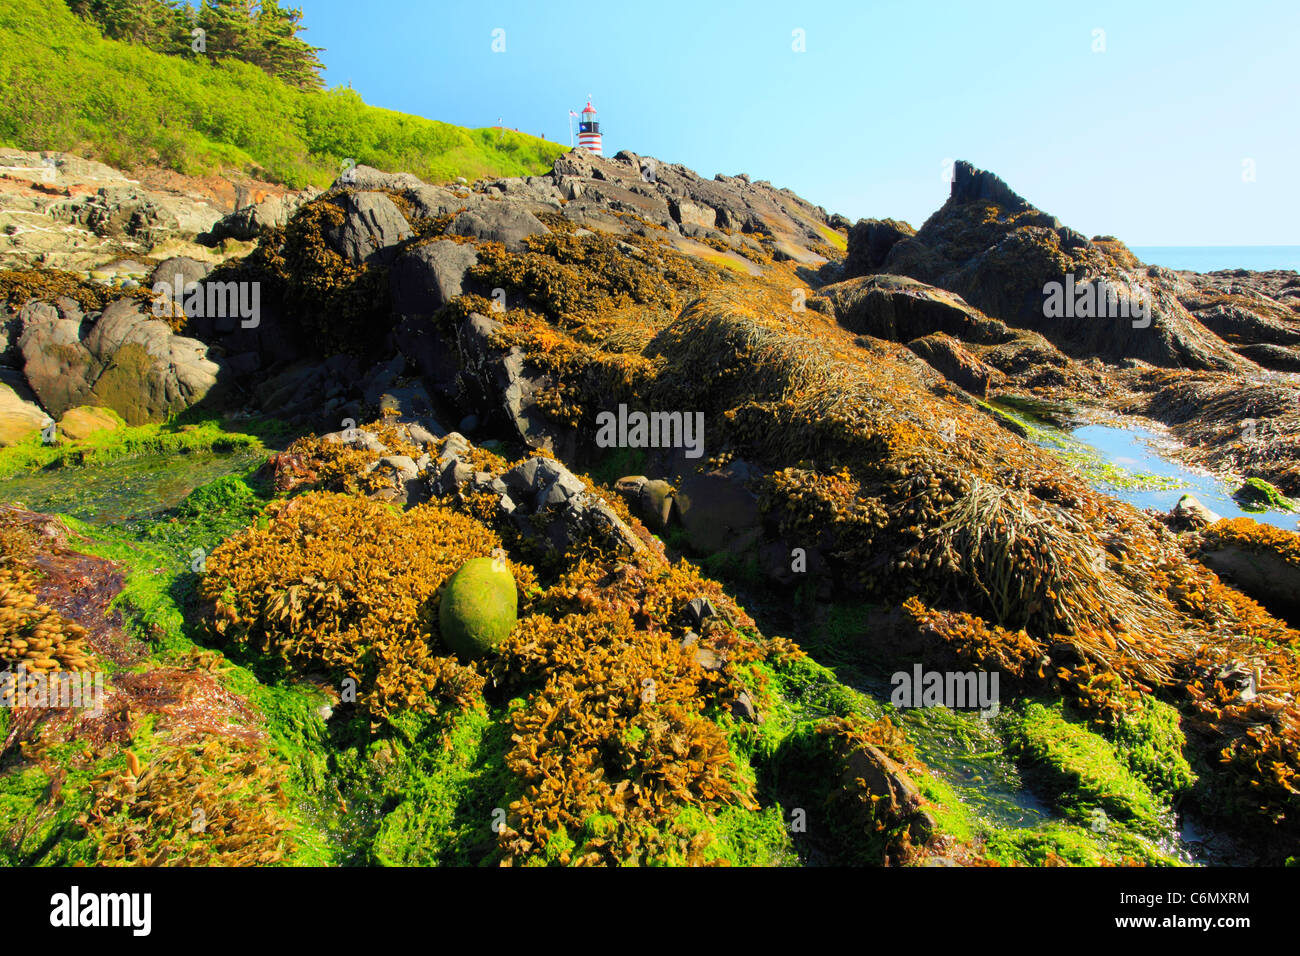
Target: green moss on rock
124, 386
1082, 770
1256, 494
479, 607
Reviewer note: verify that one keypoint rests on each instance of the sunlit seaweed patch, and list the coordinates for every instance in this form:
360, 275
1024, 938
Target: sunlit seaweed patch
350, 586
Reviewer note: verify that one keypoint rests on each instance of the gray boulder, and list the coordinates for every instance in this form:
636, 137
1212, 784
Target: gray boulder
57, 366
185, 269
651, 500
401, 483
497, 222
371, 228
126, 360
367, 177
686, 212
1189, 512
429, 276
429, 202
18, 418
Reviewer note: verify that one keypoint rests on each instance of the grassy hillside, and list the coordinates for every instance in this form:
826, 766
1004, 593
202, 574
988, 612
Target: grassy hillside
64, 87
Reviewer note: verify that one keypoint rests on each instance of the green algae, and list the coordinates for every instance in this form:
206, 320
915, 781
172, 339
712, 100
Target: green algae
159, 558
1150, 741
968, 756
1060, 843
184, 436
1258, 496
1088, 781
739, 837
445, 791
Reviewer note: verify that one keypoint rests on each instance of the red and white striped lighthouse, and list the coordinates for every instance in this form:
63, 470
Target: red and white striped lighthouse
589, 130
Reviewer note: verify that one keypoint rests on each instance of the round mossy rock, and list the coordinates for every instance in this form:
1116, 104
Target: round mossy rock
479, 607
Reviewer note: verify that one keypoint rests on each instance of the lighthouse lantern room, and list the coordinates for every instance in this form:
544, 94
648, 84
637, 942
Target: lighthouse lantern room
589, 130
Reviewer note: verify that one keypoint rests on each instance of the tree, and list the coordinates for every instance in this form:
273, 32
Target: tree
135, 21
286, 56
229, 27
264, 33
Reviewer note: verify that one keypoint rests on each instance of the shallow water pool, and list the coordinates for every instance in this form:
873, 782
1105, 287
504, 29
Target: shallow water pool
1136, 451
125, 489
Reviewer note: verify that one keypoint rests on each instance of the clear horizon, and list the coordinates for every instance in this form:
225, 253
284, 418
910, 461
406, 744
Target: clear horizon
1172, 127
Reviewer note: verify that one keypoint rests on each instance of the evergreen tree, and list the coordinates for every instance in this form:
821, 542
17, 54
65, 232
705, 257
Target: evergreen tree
286, 56
134, 21
230, 27
264, 33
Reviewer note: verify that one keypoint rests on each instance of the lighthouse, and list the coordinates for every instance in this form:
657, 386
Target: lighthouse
589, 130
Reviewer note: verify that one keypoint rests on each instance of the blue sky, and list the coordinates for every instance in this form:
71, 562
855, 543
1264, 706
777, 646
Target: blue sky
1152, 140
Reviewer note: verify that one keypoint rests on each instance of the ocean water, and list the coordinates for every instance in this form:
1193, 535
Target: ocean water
1214, 258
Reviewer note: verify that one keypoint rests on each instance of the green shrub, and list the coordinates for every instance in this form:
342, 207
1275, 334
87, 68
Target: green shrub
64, 87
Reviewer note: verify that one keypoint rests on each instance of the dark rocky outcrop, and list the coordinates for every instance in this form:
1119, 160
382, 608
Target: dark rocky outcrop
999, 253
249, 222
545, 501
901, 309
429, 276
499, 380
947, 356
870, 242
497, 222
718, 509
